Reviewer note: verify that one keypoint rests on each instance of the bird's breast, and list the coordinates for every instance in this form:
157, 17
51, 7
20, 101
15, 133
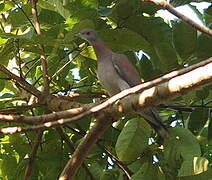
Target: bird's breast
109, 78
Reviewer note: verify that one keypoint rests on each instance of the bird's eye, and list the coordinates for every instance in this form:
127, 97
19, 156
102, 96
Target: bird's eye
88, 33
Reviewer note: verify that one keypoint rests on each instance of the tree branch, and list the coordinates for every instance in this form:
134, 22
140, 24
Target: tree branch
172, 10
144, 96
42, 57
103, 123
20, 81
66, 138
36, 144
24, 13
169, 90
43, 118
179, 82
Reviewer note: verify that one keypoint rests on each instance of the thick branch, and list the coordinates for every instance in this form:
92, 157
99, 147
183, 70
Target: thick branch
195, 76
43, 118
168, 90
172, 10
102, 124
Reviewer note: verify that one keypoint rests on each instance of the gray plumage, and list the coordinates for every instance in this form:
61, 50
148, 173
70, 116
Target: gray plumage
116, 73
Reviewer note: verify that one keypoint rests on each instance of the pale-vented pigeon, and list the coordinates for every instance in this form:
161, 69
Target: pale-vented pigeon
116, 73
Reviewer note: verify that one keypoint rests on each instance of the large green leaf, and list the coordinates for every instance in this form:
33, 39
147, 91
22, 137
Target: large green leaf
159, 35
193, 166
203, 176
18, 19
153, 29
125, 9
204, 46
208, 15
50, 17
62, 8
5, 6
197, 119
182, 146
145, 66
185, 38
167, 56
133, 139
124, 40
149, 172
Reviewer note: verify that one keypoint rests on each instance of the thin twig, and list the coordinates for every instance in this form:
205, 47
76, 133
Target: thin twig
179, 107
36, 144
18, 109
13, 99
172, 10
46, 118
66, 138
120, 164
20, 81
42, 57
65, 65
24, 14
53, 66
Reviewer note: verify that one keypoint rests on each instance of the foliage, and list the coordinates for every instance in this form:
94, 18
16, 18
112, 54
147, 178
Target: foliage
127, 26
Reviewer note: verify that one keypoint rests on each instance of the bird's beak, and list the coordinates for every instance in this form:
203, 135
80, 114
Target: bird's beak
79, 35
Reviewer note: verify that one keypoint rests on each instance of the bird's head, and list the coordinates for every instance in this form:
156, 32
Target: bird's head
88, 35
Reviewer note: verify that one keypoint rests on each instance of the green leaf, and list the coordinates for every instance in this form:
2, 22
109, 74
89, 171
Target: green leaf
124, 40
208, 15
159, 35
5, 6
193, 166
109, 174
104, 11
197, 119
6, 52
204, 46
203, 176
50, 17
202, 93
96, 169
149, 172
149, 7
133, 139
2, 81
62, 9
145, 66
167, 56
210, 130
185, 38
18, 18
153, 29
46, 5
8, 165
183, 145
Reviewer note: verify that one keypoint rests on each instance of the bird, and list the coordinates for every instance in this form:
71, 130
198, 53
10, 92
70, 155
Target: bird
116, 73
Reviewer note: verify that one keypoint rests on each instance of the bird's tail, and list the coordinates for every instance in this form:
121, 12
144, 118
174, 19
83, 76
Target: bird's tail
152, 117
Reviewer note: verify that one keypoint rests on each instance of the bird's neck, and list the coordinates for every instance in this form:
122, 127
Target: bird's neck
101, 49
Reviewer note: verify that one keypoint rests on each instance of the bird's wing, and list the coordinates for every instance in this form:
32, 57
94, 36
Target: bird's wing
125, 69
